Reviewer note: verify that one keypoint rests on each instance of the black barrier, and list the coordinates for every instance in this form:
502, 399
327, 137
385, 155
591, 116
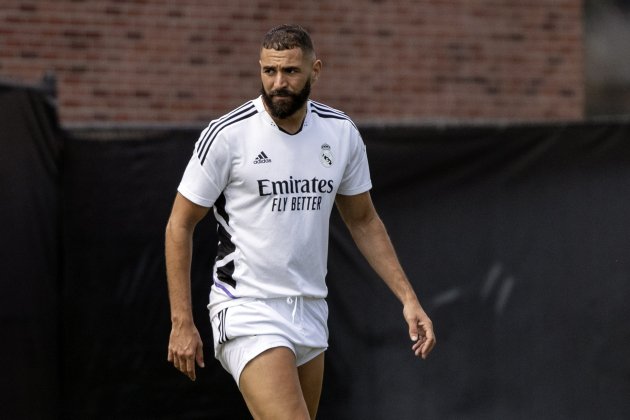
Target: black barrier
30, 258
515, 238
118, 198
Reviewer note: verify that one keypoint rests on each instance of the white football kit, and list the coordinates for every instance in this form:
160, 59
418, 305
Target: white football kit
272, 194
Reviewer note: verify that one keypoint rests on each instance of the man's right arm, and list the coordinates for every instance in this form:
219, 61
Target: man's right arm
185, 345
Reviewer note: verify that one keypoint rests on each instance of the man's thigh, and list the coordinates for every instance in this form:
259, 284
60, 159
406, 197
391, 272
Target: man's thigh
311, 376
271, 386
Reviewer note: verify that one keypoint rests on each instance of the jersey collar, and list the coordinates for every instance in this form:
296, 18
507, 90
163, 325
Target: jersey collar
258, 102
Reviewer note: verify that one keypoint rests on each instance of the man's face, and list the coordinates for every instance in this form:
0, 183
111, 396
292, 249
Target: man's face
286, 80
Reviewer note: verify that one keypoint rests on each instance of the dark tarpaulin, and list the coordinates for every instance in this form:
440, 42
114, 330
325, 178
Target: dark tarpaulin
29, 254
514, 237
518, 241
116, 319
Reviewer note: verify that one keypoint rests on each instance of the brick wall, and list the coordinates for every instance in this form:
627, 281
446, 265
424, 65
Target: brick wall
186, 61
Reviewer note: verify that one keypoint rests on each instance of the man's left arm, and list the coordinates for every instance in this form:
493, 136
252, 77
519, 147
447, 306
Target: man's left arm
370, 235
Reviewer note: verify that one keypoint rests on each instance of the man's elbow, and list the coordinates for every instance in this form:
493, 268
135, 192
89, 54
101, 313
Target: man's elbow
365, 224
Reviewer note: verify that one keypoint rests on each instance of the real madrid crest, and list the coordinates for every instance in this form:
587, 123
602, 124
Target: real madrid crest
326, 156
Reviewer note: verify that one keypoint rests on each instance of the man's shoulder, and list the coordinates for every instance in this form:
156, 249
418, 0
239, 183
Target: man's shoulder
328, 113
233, 119
240, 113
222, 126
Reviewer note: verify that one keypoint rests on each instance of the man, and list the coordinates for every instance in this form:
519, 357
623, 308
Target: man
272, 170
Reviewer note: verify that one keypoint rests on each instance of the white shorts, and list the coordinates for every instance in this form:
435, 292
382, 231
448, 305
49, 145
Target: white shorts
243, 331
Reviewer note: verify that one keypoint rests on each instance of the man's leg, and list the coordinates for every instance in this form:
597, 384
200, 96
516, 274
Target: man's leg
311, 376
271, 386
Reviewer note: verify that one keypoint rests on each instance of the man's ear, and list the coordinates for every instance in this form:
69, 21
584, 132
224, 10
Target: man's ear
317, 69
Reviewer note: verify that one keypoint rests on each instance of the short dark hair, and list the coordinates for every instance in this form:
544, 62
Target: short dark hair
288, 36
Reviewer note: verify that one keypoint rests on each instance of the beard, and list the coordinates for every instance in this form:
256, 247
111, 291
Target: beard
290, 103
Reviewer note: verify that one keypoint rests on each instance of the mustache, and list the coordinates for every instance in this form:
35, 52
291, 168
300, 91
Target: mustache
280, 92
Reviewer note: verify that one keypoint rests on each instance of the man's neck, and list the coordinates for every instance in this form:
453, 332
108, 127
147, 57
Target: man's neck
291, 124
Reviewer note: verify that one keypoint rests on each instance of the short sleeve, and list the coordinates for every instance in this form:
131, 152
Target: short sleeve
356, 177
207, 173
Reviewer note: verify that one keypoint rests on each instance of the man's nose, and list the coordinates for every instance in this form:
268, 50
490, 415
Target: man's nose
280, 81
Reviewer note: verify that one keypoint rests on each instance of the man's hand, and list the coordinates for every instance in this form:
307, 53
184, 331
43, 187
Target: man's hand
185, 348
420, 329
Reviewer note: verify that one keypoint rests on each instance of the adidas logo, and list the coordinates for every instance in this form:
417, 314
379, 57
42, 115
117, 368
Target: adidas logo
261, 158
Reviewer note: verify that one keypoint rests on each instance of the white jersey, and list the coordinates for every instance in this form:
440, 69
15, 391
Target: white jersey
272, 194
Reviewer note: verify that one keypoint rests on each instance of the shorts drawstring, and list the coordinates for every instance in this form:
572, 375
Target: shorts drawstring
294, 301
